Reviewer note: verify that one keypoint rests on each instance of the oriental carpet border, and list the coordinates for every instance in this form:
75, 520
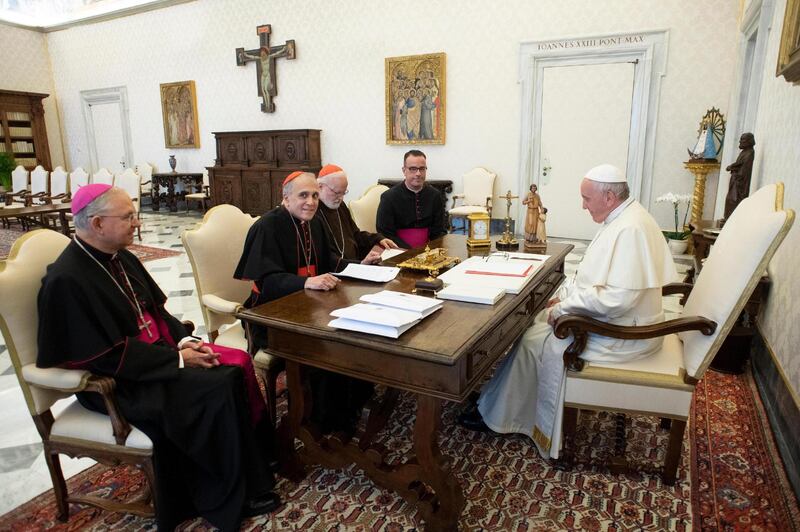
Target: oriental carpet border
738, 481
145, 253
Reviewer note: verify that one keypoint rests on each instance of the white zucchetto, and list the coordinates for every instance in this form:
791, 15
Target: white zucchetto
606, 173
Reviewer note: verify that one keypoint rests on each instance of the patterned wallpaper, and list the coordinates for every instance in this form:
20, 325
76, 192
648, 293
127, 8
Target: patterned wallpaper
337, 81
777, 148
26, 67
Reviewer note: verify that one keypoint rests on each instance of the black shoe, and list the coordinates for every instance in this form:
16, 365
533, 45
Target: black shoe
471, 419
264, 504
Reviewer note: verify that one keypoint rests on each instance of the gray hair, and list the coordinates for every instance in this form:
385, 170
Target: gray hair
287, 188
96, 206
620, 190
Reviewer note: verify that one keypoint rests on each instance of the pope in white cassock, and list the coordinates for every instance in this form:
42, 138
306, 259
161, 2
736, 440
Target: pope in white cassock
618, 281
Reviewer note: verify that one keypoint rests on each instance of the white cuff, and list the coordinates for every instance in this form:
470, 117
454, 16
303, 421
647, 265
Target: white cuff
180, 360
186, 339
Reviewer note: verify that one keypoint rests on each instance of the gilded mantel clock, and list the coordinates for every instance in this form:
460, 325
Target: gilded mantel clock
478, 230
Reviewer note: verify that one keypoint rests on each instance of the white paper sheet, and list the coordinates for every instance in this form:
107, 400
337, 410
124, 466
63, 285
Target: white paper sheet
368, 272
387, 254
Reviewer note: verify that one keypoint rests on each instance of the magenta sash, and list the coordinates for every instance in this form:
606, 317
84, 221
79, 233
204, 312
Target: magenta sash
228, 356
415, 236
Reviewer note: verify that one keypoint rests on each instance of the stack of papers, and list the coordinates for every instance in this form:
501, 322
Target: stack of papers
485, 295
386, 313
509, 271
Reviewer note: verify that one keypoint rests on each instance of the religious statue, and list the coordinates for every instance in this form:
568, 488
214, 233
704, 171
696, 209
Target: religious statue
541, 232
533, 201
741, 170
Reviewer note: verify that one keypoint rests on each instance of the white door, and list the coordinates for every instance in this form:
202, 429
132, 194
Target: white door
108, 130
108, 137
586, 117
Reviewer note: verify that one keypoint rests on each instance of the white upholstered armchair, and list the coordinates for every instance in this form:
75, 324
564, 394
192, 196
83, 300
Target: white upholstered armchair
477, 196
365, 208
663, 383
75, 431
214, 248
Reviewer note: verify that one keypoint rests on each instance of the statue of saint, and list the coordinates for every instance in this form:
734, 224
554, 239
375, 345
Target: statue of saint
741, 170
533, 201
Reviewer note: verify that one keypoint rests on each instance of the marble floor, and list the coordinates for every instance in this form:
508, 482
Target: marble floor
23, 473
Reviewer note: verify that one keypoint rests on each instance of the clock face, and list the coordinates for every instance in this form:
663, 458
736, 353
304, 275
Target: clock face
480, 229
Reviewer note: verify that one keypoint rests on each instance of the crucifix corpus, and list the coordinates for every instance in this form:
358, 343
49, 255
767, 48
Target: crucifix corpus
264, 57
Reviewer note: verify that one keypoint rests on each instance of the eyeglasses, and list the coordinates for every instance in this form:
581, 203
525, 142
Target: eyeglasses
415, 169
125, 217
336, 192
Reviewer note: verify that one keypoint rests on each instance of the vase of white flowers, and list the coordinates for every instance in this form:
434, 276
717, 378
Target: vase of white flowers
677, 239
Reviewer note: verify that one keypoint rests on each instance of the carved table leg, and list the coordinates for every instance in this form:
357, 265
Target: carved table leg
155, 185
299, 403
171, 201
435, 468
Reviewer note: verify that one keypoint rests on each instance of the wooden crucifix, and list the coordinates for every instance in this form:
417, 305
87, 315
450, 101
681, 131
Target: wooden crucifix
264, 57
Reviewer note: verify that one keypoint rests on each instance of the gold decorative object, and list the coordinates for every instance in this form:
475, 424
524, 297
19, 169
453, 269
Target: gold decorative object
431, 261
507, 241
478, 230
700, 169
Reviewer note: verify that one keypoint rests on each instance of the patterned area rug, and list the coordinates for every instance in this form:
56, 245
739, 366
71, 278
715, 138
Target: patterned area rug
737, 484
742, 482
145, 253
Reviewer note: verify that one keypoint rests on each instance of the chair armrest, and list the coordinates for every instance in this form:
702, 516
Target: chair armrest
677, 288
189, 326
455, 197
219, 305
65, 380
77, 380
143, 183
580, 326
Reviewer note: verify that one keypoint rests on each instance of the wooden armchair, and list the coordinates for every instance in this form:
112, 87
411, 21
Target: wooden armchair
214, 248
204, 196
663, 383
20, 182
103, 176
130, 182
76, 431
477, 196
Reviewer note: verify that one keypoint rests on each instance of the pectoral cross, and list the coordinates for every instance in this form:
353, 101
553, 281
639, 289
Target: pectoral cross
265, 56
145, 326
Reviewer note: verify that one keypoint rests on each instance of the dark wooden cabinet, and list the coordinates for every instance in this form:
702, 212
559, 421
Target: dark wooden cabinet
22, 128
251, 165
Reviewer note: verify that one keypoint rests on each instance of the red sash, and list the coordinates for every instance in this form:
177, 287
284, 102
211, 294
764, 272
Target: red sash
311, 271
415, 236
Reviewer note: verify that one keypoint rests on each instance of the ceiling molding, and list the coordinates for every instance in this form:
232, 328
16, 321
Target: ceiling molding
93, 19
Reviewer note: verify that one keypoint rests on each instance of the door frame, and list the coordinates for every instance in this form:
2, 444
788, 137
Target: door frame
118, 95
647, 49
744, 100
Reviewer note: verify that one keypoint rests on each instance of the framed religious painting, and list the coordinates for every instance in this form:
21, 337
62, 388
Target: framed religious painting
789, 52
179, 113
415, 99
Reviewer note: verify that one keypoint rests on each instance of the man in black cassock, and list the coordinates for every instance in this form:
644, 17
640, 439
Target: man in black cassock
287, 250
346, 239
412, 213
100, 310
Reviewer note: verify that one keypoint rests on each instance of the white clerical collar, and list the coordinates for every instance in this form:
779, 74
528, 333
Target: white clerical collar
616, 212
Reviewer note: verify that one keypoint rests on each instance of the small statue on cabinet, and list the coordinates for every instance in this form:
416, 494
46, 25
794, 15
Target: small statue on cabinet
541, 232
741, 170
533, 202
534, 219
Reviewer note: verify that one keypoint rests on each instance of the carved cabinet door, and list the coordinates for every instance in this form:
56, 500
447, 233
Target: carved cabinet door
227, 188
256, 193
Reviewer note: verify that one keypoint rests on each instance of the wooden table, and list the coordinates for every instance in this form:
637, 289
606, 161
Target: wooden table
168, 180
35, 212
444, 357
